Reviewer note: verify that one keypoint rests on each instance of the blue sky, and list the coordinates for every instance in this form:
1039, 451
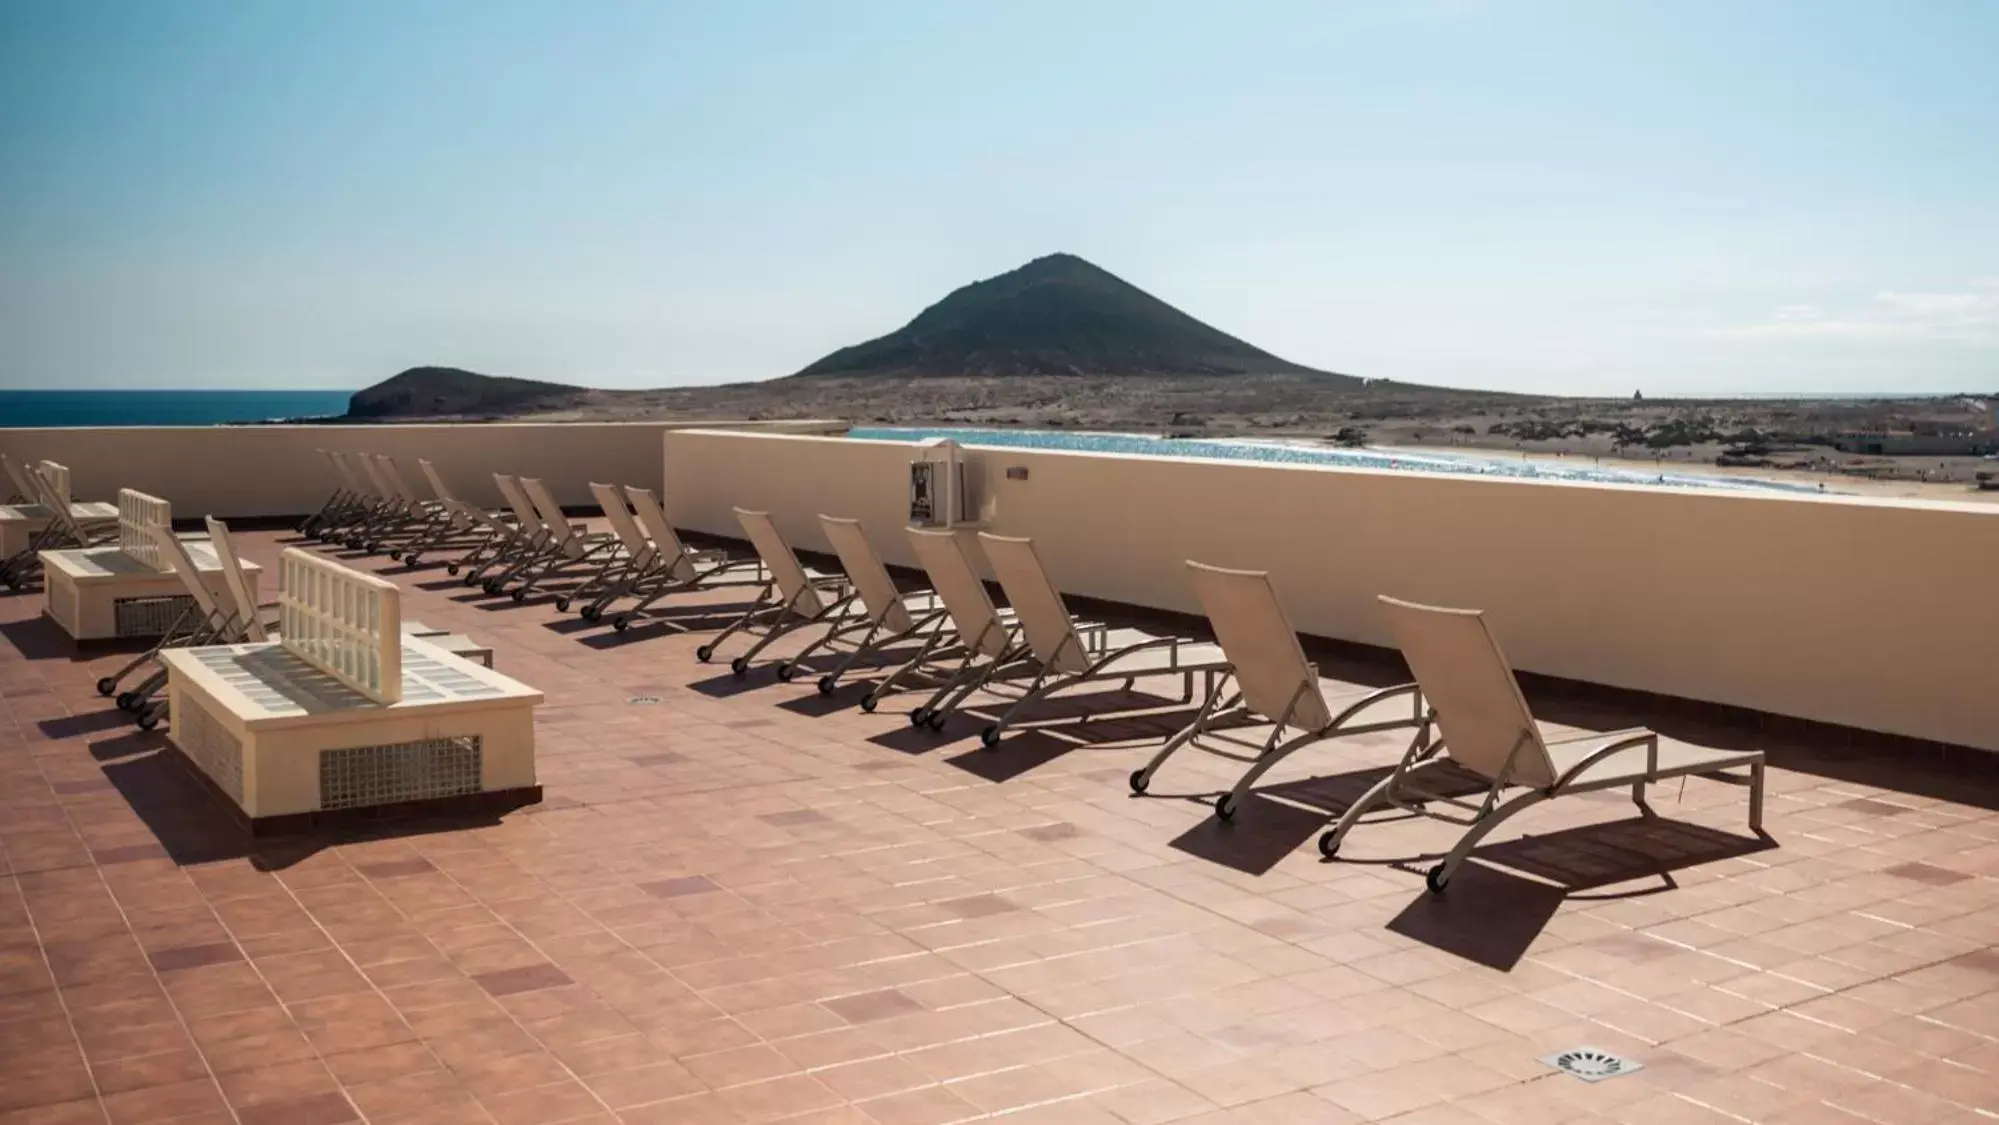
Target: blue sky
1586, 197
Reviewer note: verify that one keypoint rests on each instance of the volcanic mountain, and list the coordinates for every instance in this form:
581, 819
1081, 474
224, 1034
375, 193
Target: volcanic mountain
1057, 315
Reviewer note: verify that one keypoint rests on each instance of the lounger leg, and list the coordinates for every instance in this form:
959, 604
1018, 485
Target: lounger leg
1036, 691
1638, 797
1756, 798
1227, 804
758, 609
887, 684
1204, 721
1374, 798
1439, 876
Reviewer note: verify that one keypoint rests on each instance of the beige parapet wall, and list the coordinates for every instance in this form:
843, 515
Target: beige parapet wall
246, 471
1876, 614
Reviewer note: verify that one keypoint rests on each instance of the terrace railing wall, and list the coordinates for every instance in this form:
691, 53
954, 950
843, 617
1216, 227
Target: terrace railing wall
1875, 614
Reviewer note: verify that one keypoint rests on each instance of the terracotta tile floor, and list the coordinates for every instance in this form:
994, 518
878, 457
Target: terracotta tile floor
744, 903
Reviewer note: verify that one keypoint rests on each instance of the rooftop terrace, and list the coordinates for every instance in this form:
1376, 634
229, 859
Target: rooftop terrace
741, 902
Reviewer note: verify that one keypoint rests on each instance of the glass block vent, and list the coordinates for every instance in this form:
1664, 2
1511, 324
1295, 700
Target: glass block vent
343, 622
218, 752
138, 515
364, 776
148, 617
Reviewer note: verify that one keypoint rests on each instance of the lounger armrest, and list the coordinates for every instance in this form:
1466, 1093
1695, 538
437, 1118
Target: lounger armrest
1140, 646
1617, 744
1371, 698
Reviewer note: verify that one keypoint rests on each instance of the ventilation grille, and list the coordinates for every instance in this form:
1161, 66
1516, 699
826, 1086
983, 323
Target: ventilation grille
149, 617
1591, 1064
364, 776
210, 745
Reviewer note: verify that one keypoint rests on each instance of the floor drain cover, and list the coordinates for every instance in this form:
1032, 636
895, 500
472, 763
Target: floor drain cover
1590, 1064
642, 700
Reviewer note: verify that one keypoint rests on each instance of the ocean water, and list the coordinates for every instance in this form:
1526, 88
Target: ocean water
1293, 453
164, 408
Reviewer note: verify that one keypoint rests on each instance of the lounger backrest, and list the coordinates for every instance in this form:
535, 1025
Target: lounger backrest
776, 554
652, 520
59, 512
1050, 631
620, 516
18, 477
372, 472
549, 511
1480, 711
1270, 669
354, 483
238, 582
524, 513
865, 570
942, 555
437, 486
174, 554
393, 473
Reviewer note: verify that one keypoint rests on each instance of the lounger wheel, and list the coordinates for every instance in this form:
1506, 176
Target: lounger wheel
1328, 845
451, 568
740, 666
828, 685
868, 704
128, 701
785, 671
1139, 781
1225, 807
621, 622
704, 654
107, 686
1435, 880
989, 737
592, 613
395, 556
918, 716
935, 721
148, 721
562, 604
519, 596
411, 560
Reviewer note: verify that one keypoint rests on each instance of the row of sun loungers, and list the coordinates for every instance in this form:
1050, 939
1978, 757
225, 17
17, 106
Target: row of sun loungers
1263, 700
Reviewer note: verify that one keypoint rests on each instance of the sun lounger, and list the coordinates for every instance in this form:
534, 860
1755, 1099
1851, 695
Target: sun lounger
1065, 656
792, 599
1271, 685
1488, 732
459, 524
636, 561
680, 568
887, 616
209, 622
530, 542
64, 530
985, 643
570, 546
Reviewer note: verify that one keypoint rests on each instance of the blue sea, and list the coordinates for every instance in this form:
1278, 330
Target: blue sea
164, 408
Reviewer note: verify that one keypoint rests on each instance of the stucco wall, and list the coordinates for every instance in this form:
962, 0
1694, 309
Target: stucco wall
1752, 601
239, 471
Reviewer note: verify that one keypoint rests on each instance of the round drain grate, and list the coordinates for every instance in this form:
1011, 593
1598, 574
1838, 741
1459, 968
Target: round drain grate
1591, 1064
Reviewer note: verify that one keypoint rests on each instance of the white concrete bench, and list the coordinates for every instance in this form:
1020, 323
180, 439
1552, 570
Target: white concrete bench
348, 715
97, 593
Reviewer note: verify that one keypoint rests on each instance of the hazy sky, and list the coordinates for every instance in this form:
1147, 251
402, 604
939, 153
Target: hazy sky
1595, 196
